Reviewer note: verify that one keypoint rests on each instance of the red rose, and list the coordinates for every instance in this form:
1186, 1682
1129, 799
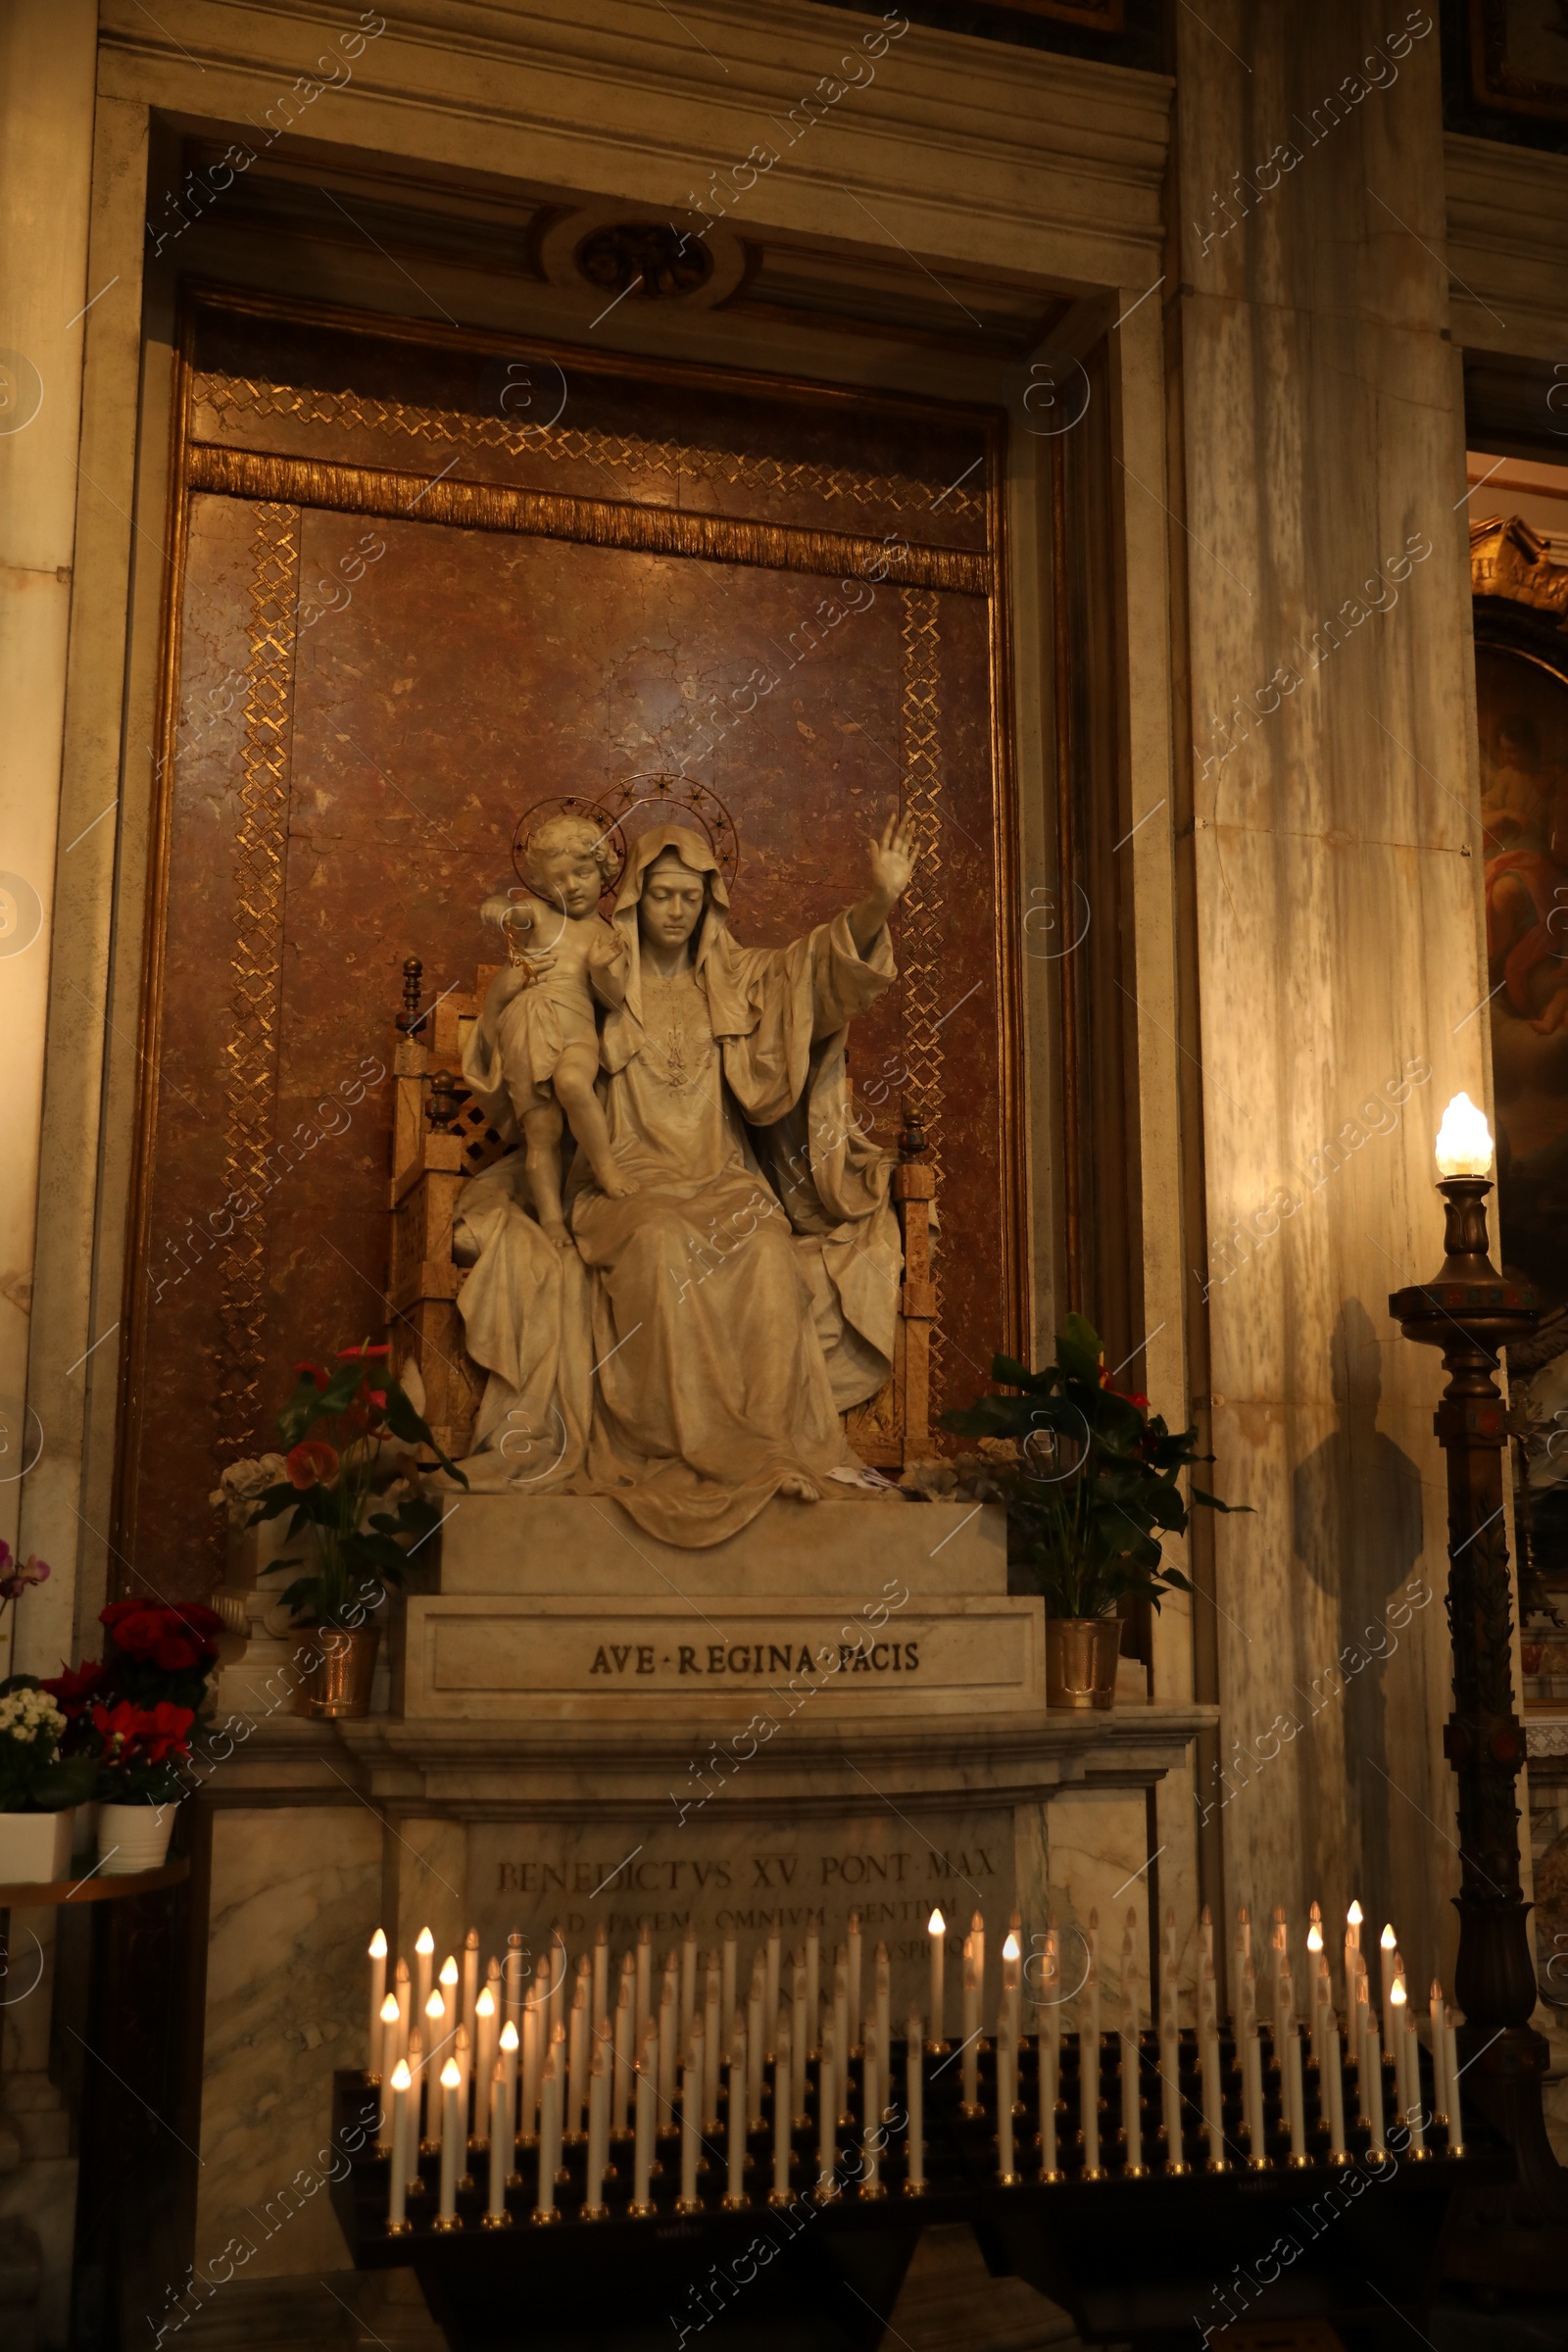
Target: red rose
175, 1638
312, 1463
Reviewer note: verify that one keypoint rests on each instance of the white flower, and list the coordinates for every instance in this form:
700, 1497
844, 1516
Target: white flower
242, 1482
25, 1714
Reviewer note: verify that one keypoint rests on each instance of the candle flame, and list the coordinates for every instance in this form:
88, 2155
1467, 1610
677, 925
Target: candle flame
451, 2074
1314, 1938
390, 2012
1464, 1140
1011, 1948
424, 1944
936, 1925
448, 1970
508, 2035
378, 1944
435, 2006
485, 2005
1388, 1940
1355, 1916
401, 2079
1396, 1992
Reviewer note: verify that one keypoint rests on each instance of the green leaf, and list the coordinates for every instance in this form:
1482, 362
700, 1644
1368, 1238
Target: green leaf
1079, 1350
1214, 1504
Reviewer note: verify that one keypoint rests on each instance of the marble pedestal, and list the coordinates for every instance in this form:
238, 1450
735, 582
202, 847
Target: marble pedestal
589, 1730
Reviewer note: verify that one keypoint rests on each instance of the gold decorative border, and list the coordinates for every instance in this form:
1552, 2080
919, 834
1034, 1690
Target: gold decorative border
240, 396
919, 951
589, 521
1509, 559
251, 1083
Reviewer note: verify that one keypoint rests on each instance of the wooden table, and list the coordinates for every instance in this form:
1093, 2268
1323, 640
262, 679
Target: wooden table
37, 1894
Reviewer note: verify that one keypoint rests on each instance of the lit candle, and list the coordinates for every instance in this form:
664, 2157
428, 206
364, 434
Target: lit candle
1006, 2088
1314, 1947
594, 2207
852, 1954
755, 2053
913, 2105
1252, 2094
737, 2199
470, 1984
691, 2122
576, 2061
642, 2204
882, 2002
1451, 2080
550, 2090
977, 1944
435, 2011
800, 2032
448, 1986
622, 2055
871, 2113
1352, 1955
451, 2142
728, 1961
1280, 1957
1244, 1933
1011, 1984
1246, 1994
712, 2054
1170, 2078
496, 2215
827, 2114
508, 2077
1389, 1944
486, 2031
813, 1978
1292, 2053
559, 1986
600, 2009
644, 1979
1089, 2073
1464, 1140
423, 1966
397, 2219
937, 1929
783, 2107
1399, 2049
668, 2031
377, 2042
391, 2030
1131, 2116
1049, 2047
971, 2031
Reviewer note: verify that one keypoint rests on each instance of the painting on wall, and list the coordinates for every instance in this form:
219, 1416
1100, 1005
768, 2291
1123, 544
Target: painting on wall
1519, 56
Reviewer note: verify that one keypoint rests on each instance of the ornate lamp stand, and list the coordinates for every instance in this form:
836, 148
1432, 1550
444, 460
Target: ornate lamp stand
1470, 1311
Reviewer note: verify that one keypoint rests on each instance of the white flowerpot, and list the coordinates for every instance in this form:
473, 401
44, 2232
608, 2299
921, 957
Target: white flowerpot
35, 1847
84, 1836
133, 1838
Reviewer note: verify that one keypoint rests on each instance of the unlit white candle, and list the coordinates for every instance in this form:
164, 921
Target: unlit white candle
535, 2052
550, 2090
1450, 2075
496, 2206
621, 2058
726, 1976
402, 2163
971, 2027
463, 2054
1252, 2093
852, 1954
1292, 2052
644, 1979
755, 2049
1371, 2077
828, 2113
1132, 2119
882, 2001
1170, 2077
814, 1977
688, 1981
1007, 2086
646, 2115
576, 2061
691, 2124
871, 2112
1440, 2083
914, 2103
770, 1984
600, 1999
783, 2106
1412, 2112
737, 2116
800, 2033
1049, 2045
1214, 2104
1089, 2070
599, 2070
713, 2055
470, 1984
668, 2027
843, 2034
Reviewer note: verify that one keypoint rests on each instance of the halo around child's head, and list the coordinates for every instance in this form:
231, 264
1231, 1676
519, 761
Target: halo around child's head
571, 822
657, 798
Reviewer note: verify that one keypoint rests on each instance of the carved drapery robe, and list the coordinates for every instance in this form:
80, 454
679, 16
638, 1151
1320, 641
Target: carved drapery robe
697, 1346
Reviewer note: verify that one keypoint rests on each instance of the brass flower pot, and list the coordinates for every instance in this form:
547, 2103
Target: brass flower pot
336, 1668
1081, 1661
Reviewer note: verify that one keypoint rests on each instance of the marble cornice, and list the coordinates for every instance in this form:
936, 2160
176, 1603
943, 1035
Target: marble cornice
490, 1770
1508, 218
1058, 151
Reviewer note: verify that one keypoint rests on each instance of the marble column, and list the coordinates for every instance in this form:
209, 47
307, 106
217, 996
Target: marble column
1336, 934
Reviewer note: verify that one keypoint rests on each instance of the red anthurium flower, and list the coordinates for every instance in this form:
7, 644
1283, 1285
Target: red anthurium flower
318, 1372
163, 1729
313, 1462
355, 1355
75, 1687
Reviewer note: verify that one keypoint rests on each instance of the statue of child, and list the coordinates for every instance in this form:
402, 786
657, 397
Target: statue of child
562, 956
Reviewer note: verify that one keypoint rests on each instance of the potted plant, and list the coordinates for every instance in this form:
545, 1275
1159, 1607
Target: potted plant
1088, 1476
128, 1718
356, 1497
38, 1792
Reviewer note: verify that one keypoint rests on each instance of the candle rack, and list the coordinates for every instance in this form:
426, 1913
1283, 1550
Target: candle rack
1137, 2255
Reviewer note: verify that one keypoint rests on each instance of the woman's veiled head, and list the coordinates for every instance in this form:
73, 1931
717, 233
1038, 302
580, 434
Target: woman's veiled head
671, 901
672, 882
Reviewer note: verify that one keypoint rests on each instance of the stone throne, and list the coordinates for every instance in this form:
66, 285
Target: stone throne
440, 1138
